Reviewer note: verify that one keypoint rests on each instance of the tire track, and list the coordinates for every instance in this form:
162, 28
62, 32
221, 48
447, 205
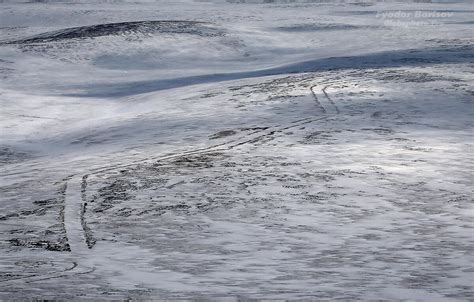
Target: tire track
62, 211
326, 105
90, 240
73, 216
316, 99
86, 239
330, 100
324, 100
79, 235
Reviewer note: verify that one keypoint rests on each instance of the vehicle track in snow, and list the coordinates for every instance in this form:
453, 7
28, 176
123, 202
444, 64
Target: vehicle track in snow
76, 210
80, 236
324, 100
331, 101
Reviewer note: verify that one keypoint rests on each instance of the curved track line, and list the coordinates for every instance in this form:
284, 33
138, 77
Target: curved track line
330, 99
79, 236
33, 278
75, 202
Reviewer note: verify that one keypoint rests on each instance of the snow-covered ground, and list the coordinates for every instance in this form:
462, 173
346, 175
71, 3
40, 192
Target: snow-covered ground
214, 150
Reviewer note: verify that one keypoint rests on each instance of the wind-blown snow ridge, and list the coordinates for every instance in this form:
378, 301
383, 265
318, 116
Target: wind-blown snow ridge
124, 28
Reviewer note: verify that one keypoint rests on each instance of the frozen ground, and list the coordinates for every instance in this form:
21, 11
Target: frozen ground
181, 150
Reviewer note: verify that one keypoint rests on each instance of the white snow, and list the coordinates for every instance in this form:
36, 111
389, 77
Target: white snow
314, 151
